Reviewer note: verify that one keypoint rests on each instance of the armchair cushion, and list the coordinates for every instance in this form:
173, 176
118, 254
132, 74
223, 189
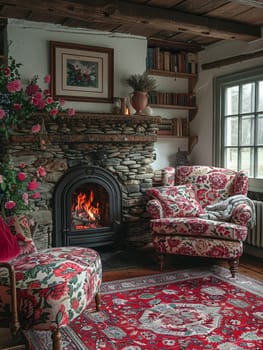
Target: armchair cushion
212, 184
197, 227
176, 201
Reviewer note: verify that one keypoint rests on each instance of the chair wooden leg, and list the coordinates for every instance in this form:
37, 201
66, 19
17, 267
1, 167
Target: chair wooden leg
161, 258
233, 266
97, 301
56, 339
14, 323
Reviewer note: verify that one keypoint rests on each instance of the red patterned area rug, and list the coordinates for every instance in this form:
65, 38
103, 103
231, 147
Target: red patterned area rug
184, 309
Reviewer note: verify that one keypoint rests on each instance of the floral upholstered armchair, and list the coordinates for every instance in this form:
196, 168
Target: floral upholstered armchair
46, 289
202, 211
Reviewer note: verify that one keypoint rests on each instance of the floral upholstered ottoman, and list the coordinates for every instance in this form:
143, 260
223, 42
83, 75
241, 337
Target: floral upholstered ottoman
53, 286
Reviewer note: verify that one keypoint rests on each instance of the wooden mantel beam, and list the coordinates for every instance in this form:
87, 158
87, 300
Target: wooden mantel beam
154, 17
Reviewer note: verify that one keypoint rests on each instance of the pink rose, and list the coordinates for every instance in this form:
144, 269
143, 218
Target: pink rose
2, 114
34, 101
38, 95
36, 195
41, 171
22, 165
49, 100
36, 128
17, 106
32, 89
14, 86
41, 104
71, 112
21, 176
7, 71
47, 92
10, 205
62, 102
47, 79
33, 185
54, 111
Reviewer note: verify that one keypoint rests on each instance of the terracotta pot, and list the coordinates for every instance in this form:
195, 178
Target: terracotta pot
139, 100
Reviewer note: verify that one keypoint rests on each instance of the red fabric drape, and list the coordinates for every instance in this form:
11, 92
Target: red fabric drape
9, 247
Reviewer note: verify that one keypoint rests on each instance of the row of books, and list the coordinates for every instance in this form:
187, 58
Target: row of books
174, 126
183, 62
172, 98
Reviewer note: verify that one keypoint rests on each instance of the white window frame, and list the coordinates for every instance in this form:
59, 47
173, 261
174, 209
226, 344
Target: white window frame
220, 84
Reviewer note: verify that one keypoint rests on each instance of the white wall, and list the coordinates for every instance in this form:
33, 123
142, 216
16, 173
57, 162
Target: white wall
202, 125
29, 45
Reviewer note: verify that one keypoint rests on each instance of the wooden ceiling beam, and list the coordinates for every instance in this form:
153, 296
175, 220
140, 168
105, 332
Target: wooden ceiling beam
158, 18
252, 3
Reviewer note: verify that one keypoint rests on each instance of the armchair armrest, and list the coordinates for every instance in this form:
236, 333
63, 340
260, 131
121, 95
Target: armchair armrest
244, 215
154, 208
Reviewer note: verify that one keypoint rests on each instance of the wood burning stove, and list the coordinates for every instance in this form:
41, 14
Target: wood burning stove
87, 206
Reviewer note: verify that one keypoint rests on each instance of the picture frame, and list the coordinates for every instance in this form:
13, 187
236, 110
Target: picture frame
81, 72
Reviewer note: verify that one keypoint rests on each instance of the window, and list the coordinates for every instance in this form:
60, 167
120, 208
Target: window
238, 124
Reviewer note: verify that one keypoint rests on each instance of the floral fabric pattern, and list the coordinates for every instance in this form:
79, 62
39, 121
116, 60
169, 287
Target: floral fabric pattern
177, 201
53, 285
154, 208
241, 215
207, 247
212, 184
21, 228
168, 175
196, 227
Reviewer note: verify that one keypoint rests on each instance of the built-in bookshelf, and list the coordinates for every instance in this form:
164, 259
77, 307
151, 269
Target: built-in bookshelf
174, 126
173, 63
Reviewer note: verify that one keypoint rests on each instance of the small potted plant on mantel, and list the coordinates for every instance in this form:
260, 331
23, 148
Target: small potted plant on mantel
142, 84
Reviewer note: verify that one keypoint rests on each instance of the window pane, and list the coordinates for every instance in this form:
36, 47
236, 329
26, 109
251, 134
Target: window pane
260, 96
246, 160
231, 131
260, 130
231, 100
247, 131
248, 98
260, 164
231, 158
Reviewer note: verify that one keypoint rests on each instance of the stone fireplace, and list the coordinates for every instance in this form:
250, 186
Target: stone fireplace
105, 159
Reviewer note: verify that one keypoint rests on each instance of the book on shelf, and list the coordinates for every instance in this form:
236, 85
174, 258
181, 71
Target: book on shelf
172, 61
172, 98
191, 62
174, 127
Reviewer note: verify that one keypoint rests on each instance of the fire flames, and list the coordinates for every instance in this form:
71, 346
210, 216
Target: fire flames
84, 213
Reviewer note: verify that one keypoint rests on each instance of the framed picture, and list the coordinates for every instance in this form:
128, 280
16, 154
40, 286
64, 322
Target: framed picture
81, 73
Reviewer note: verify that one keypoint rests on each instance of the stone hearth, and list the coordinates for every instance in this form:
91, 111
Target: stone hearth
120, 144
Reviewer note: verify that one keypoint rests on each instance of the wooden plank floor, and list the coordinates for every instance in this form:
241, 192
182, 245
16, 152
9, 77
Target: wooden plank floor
248, 265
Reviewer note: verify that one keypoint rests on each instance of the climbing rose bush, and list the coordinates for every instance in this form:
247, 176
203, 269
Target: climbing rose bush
18, 103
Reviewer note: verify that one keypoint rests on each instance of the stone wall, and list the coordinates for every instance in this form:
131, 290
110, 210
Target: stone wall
121, 144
